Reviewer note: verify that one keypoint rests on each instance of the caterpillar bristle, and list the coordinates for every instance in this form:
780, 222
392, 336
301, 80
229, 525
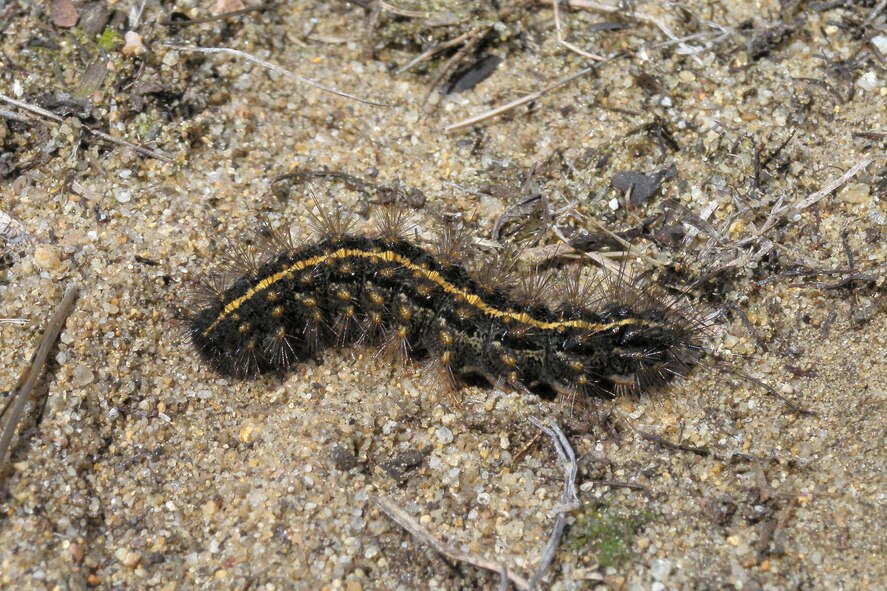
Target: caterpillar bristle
330, 224
395, 348
575, 291
279, 350
272, 241
436, 372
534, 287
496, 272
208, 290
346, 327
244, 259
393, 222
452, 244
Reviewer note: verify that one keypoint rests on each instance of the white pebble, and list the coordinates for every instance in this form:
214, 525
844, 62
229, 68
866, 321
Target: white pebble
660, 568
133, 44
444, 435
868, 81
82, 376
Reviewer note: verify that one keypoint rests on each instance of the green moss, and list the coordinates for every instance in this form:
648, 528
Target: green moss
608, 533
108, 38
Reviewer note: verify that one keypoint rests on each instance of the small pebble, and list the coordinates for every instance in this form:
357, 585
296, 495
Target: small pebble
855, 193
209, 509
248, 431
128, 558
223, 6
444, 435
133, 44
82, 376
660, 569
77, 553
868, 81
47, 258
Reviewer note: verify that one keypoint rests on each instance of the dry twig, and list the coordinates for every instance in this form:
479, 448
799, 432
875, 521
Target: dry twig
569, 500
874, 13
781, 211
472, 121
18, 398
768, 389
99, 134
638, 16
399, 516
275, 68
560, 35
790, 210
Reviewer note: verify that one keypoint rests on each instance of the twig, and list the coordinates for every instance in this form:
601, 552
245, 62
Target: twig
781, 212
874, 13
16, 117
431, 51
569, 500
99, 134
600, 258
136, 15
475, 37
638, 16
471, 121
767, 388
388, 7
400, 517
699, 451
790, 210
273, 67
28, 379
619, 484
560, 35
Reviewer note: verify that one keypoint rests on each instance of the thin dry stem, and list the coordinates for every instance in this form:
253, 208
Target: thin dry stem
781, 212
400, 517
274, 67
432, 51
560, 35
472, 121
633, 15
18, 398
569, 499
99, 134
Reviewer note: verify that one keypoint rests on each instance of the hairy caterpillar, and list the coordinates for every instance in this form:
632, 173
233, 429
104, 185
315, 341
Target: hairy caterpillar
347, 289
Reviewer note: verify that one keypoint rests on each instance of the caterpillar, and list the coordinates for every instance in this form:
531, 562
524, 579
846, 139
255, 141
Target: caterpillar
384, 290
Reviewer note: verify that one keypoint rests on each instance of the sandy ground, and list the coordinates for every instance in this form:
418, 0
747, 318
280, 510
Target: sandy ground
147, 471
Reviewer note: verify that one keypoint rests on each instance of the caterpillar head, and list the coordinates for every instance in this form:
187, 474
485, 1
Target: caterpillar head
649, 350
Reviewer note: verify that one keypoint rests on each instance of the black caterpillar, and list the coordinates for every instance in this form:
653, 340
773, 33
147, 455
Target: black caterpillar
347, 289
